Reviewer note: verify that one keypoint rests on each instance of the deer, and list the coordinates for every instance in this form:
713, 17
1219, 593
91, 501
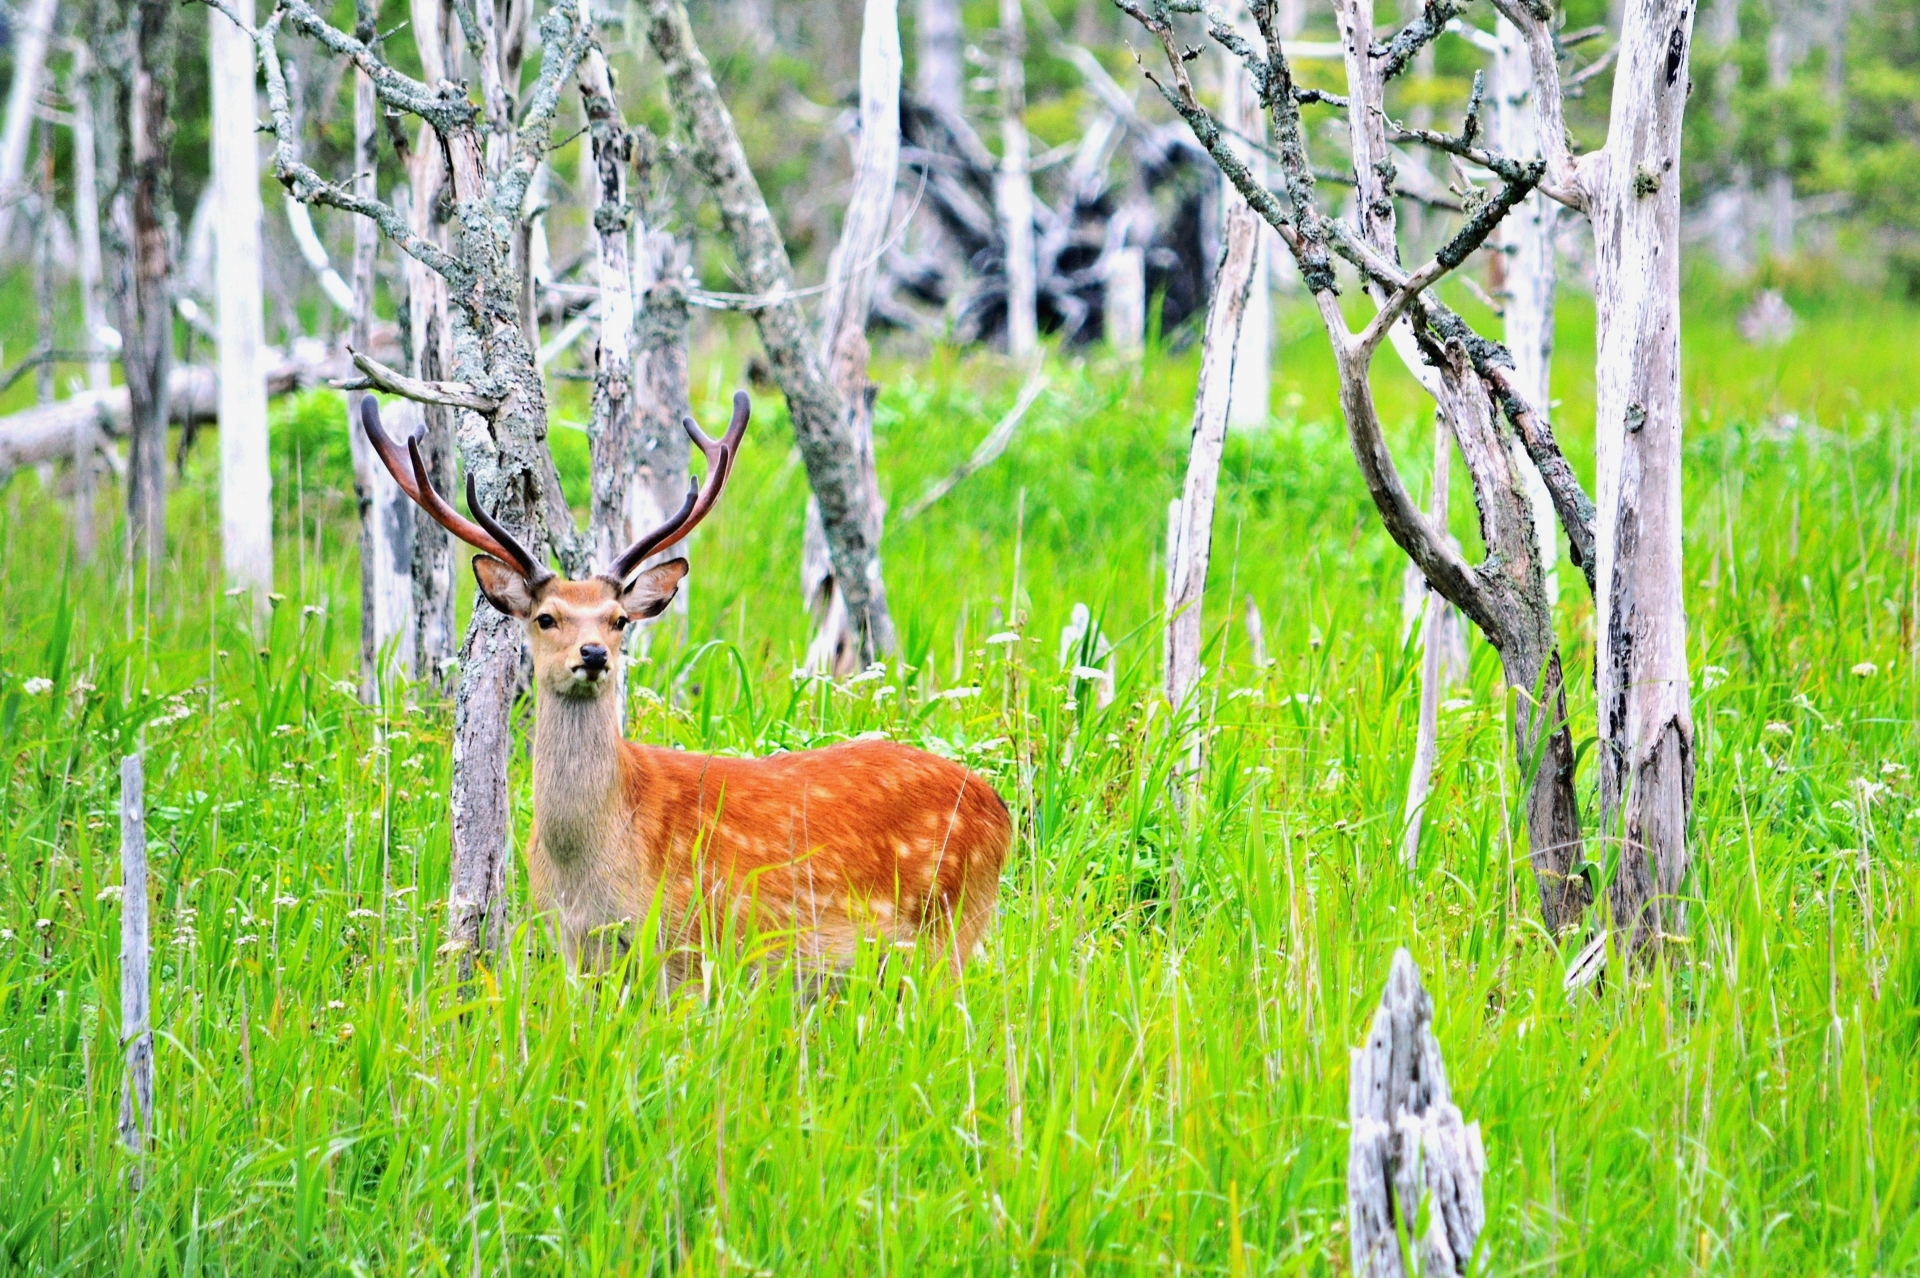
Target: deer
820, 850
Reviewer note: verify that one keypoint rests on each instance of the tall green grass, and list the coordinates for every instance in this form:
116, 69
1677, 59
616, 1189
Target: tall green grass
1147, 1068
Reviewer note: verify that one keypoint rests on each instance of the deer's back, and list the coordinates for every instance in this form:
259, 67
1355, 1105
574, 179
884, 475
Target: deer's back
870, 836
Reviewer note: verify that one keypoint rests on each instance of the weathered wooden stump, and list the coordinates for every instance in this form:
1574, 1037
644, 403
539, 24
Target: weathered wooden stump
1411, 1154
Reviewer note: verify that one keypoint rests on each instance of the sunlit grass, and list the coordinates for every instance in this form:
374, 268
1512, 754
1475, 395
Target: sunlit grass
1133, 1076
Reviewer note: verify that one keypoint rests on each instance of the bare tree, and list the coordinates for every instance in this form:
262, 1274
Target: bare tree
32, 29
246, 475
1630, 189
140, 72
491, 153
843, 325
822, 424
1252, 370
429, 355
1013, 187
1505, 594
386, 516
1190, 516
939, 75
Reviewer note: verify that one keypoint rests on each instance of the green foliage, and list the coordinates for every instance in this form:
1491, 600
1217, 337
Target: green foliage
1126, 1080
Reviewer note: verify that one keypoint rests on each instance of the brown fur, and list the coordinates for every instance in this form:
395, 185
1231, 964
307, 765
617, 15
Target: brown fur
814, 851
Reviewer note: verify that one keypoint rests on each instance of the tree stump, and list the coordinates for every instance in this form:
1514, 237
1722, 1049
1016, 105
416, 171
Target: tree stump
1414, 1165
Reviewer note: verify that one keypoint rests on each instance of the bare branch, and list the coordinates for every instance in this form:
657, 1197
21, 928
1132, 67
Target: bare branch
1563, 182
1570, 500
1399, 52
393, 382
304, 182
565, 38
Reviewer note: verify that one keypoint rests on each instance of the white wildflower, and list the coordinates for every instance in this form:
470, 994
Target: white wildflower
1865, 670
38, 686
1003, 638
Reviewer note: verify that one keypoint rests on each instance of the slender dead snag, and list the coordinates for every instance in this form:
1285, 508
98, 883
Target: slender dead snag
428, 327
142, 78
136, 1028
1190, 531
504, 449
610, 427
1435, 617
828, 448
1630, 189
1252, 367
246, 472
1013, 185
31, 28
386, 516
1505, 594
851, 272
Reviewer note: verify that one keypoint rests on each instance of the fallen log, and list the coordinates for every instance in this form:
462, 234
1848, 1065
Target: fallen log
45, 432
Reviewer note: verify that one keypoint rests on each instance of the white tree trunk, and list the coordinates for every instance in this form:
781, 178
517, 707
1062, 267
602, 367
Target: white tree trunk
1240, 107
434, 626
1190, 531
611, 526
1436, 619
1526, 237
1013, 186
136, 1028
86, 227
386, 514
843, 345
32, 26
1646, 715
1123, 308
246, 475
939, 76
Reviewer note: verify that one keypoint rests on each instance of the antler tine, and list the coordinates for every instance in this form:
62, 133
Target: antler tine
700, 499
386, 449
413, 481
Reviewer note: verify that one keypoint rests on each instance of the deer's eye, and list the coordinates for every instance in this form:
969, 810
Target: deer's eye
620, 622
545, 621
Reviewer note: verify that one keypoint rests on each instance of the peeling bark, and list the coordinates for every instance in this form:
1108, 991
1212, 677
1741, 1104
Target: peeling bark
1013, 187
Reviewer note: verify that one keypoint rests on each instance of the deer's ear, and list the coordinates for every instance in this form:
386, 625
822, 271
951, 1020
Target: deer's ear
653, 589
505, 587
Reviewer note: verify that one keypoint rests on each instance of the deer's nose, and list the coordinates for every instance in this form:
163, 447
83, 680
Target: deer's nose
593, 656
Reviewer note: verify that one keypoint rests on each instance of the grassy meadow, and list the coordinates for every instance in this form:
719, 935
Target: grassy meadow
1147, 1070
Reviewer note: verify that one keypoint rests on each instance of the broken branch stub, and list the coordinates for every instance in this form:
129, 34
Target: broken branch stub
1411, 1156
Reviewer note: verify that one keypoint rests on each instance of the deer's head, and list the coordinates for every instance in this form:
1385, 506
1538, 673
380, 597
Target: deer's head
575, 628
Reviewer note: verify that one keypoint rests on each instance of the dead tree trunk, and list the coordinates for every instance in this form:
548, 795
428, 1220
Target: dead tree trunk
843, 329
1190, 531
246, 473
86, 230
32, 26
1013, 185
143, 278
1436, 615
610, 428
827, 448
939, 76
1630, 189
433, 623
501, 430
136, 1027
1504, 595
1410, 1152
1252, 372
386, 515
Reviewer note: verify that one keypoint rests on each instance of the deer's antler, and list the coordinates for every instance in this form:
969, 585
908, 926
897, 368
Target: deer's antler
411, 475
700, 498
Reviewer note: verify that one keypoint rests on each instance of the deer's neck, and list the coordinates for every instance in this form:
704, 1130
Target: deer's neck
578, 769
